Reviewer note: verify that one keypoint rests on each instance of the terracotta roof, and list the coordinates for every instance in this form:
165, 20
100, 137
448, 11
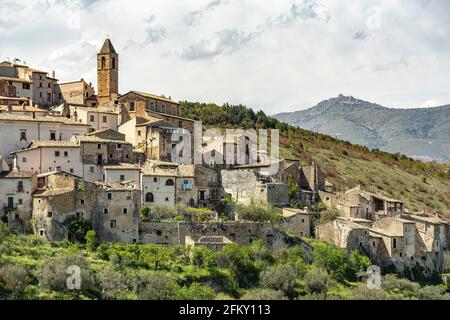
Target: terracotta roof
18, 174
35, 144
16, 108
15, 79
151, 96
99, 109
52, 192
57, 119
94, 139
123, 166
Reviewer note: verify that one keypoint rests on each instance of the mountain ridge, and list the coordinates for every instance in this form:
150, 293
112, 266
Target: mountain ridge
422, 133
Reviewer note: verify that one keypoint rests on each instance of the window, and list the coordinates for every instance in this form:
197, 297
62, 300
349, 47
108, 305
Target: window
23, 135
103, 62
57, 153
303, 220
105, 211
82, 201
119, 146
92, 118
139, 133
104, 119
109, 195
49, 214
128, 196
41, 232
26, 86
122, 177
66, 153
91, 169
49, 85
113, 224
131, 106
24, 160
40, 86
125, 210
20, 186
167, 199
110, 155
52, 135
49, 97
71, 170
113, 63
394, 243
20, 202
149, 197
99, 146
155, 179
169, 182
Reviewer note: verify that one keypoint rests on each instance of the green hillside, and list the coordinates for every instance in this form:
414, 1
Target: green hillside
423, 186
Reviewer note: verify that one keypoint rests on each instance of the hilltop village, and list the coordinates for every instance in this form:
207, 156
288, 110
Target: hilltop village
67, 152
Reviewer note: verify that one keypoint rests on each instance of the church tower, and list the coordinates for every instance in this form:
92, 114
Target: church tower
107, 73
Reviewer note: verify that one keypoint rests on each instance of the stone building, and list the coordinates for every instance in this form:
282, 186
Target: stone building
47, 156
211, 242
158, 184
18, 131
297, 222
78, 93
22, 110
16, 190
398, 242
107, 73
97, 118
359, 203
246, 185
111, 208
122, 172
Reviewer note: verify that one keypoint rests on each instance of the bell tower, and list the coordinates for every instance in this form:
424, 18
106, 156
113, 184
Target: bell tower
107, 73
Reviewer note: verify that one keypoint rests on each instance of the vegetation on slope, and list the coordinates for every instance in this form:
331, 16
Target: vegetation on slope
423, 186
33, 269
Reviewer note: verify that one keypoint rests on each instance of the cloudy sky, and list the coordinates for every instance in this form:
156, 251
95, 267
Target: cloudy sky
274, 55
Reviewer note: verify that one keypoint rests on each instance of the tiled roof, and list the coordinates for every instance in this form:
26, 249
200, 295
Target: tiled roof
56, 119
151, 96
21, 108
15, 79
53, 192
95, 139
17, 174
48, 144
123, 166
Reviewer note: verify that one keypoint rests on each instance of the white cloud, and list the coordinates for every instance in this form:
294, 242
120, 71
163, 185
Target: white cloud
277, 55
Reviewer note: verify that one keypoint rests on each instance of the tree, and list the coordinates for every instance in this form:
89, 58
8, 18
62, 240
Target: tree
159, 286
91, 240
281, 278
317, 280
78, 227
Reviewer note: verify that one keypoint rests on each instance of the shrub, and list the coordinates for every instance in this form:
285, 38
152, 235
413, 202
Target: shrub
260, 212
281, 278
159, 286
91, 240
196, 291
4, 231
78, 226
52, 274
263, 294
317, 280
14, 277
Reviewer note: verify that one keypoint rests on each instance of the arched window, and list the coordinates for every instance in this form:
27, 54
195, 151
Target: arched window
103, 62
169, 182
149, 197
113, 63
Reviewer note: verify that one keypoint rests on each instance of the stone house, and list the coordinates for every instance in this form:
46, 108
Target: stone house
211, 242
77, 92
246, 185
19, 130
122, 172
98, 118
16, 190
158, 184
359, 203
47, 156
111, 208
297, 222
